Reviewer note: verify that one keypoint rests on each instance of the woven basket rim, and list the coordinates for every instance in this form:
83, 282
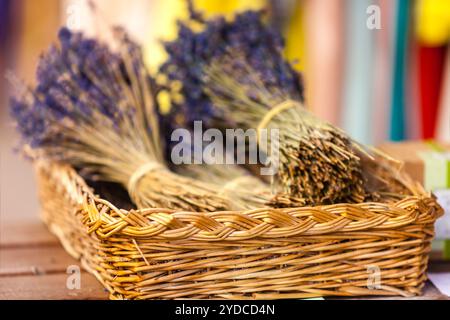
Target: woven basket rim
106, 220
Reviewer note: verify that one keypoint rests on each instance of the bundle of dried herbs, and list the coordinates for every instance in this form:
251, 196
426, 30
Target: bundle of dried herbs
233, 73
93, 109
318, 162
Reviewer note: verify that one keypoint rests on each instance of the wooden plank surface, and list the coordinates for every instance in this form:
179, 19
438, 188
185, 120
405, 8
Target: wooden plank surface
50, 287
33, 265
429, 292
31, 233
34, 260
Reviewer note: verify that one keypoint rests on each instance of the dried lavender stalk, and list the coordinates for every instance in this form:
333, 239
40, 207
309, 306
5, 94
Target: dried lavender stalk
245, 190
318, 162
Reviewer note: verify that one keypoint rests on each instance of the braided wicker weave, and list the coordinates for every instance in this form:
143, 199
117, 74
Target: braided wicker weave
264, 254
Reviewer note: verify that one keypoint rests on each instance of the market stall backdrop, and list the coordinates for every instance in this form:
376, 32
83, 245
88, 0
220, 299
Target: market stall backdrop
380, 69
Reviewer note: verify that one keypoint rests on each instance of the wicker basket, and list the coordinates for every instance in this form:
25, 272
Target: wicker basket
334, 250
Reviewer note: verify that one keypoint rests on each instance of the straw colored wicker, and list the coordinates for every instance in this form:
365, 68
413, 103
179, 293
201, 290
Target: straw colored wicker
333, 250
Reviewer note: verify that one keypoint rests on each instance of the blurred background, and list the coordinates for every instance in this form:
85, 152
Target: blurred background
379, 69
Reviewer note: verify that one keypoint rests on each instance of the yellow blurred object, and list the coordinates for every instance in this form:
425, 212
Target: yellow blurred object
163, 99
227, 8
176, 86
164, 14
433, 21
295, 39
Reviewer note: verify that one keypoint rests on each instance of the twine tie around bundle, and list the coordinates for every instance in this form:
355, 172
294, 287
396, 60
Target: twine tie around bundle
279, 108
139, 173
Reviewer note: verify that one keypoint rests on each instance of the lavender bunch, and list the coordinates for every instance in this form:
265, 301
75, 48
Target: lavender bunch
318, 162
93, 109
233, 73
191, 52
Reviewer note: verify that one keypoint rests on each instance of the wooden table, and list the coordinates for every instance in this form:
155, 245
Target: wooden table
33, 265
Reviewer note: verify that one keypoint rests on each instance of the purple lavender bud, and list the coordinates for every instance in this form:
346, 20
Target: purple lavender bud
64, 36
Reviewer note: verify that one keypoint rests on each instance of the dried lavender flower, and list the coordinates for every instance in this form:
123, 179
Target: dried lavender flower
192, 51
